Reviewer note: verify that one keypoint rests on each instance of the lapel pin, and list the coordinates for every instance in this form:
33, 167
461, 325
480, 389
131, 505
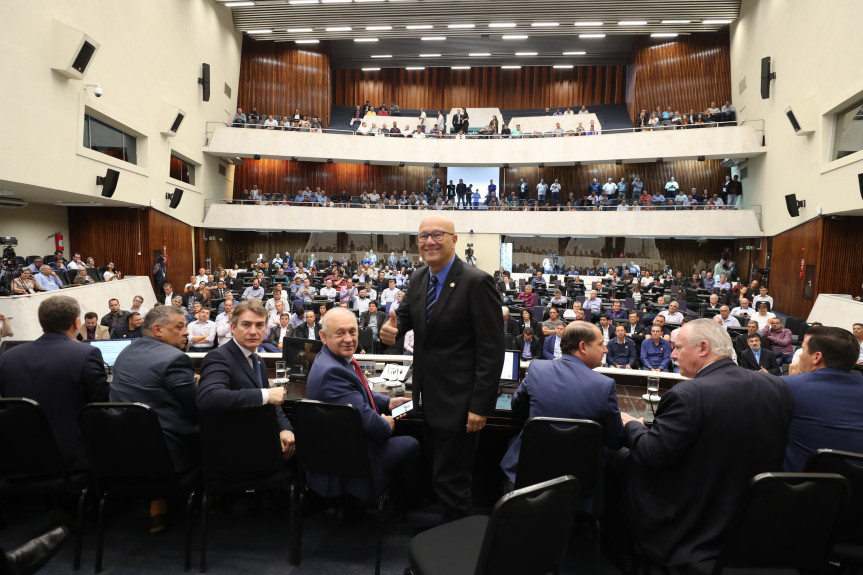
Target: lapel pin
452, 284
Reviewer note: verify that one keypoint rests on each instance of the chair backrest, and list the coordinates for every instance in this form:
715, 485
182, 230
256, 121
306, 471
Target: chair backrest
70, 275
330, 439
34, 451
850, 466
552, 447
126, 447
366, 339
94, 273
786, 523
537, 521
795, 325
238, 444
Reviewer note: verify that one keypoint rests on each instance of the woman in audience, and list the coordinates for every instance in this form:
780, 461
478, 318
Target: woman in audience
652, 122
91, 263
313, 272
204, 292
25, 284
638, 297
699, 120
110, 274
526, 320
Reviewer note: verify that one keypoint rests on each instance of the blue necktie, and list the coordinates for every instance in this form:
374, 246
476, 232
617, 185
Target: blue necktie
256, 367
431, 296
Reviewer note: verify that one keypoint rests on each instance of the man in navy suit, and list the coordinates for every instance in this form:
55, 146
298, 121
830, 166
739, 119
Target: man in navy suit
551, 346
568, 388
233, 376
67, 375
335, 377
756, 358
621, 350
828, 400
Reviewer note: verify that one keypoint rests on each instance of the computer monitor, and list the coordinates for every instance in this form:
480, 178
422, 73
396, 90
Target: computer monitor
510, 366
292, 346
110, 348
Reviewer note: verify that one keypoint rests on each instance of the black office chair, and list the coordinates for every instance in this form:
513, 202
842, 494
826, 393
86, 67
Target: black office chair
797, 326
333, 443
70, 276
240, 451
552, 447
367, 339
31, 464
787, 523
527, 534
129, 459
94, 273
848, 541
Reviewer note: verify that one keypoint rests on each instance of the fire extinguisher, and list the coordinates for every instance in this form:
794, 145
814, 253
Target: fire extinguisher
58, 242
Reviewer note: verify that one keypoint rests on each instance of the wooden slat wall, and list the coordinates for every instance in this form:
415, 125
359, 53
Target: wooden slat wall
243, 247
179, 241
279, 78
285, 176
687, 72
444, 88
841, 262
803, 242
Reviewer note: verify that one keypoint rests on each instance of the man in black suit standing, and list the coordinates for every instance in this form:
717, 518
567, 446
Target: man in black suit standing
682, 466
233, 376
458, 357
757, 358
69, 375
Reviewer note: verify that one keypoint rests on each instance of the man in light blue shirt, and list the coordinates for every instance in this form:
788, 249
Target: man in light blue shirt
47, 279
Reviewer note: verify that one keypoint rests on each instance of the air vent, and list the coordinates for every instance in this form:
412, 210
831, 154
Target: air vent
12, 203
227, 90
223, 170
742, 85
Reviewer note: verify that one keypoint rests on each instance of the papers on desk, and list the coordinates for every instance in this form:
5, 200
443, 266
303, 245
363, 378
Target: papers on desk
393, 375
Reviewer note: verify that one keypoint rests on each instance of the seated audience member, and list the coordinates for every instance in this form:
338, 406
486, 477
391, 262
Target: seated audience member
194, 312
722, 405
336, 377
47, 279
616, 313
743, 308
177, 302
202, 333
568, 388
58, 265
593, 304
621, 350
755, 358
233, 376
278, 333
526, 321
672, 315
510, 324
70, 375
655, 351
634, 329
310, 328
138, 305
131, 329
528, 345
741, 342
36, 266
111, 274
727, 320
76, 263
527, 297
606, 329
91, 329
81, 278
254, 291
116, 317
551, 346
558, 299
779, 341
828, 397
372, 319
239, 119
762, 297
550, 325
857, 330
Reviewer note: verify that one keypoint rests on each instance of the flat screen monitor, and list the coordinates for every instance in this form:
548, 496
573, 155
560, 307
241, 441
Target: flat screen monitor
510, 365
292, 346
110, 348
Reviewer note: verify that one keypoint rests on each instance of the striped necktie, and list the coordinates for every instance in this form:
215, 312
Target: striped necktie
431, 296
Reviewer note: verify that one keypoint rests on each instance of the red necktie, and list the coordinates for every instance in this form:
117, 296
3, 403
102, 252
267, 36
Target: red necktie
364, 382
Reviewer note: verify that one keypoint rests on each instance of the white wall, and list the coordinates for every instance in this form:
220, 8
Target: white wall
150, 54
32, 226
816, 53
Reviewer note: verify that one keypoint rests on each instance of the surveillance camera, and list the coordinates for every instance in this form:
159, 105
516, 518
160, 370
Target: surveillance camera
98, 92
97, 88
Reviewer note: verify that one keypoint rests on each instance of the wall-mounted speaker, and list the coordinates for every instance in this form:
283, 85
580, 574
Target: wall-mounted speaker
766, 76
108, 182
802, 116
175, 197
170, 118
794, 205
72, 51
204, 81
860, 184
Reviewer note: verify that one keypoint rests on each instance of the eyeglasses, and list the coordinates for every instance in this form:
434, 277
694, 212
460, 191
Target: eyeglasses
436, 236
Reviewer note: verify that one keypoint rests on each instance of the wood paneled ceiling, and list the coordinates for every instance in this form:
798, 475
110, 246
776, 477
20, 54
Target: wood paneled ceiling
558, 32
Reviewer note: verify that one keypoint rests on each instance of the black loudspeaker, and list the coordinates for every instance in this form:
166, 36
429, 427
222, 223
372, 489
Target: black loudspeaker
794, 205
204, 81
177, 121
860, 184
108, 182
766, 76
72, 51
176, 197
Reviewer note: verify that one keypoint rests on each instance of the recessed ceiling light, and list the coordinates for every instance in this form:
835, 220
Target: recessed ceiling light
664, 35
479, 54
676, 21
306, 41
78, 204
415, 68
371, 69
574, 53
420, 27
433, 38
379, 27
365, 39
632, 23
716, 22
502, 25
588, 23
564, 66
545, 24
461, 26
460, 68
238, 4
298, 30
510, 67
339, 29
382, 55
591, 35
525, 53
429, 55
514, 37
259, 31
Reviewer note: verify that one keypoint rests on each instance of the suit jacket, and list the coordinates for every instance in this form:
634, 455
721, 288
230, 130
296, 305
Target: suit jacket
162, 297
332, 379
163, 377
548, 347
828, 414
101, 332
565, 388
274, 338
302, 330
457, 358
74, 377
365, 317
746, 359
535, 347
228, 382
741, 343
681, 478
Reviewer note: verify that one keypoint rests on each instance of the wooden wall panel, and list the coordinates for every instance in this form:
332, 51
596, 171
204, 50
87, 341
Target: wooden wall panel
178, 237
803, 242
285, 176
279, 78
443, 88
841, 263
688, 72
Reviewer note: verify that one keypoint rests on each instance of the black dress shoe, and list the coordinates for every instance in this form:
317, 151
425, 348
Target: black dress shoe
158, 523
34, 554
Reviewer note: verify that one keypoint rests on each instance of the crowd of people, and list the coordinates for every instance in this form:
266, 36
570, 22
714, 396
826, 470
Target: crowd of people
659, 119
39, 276
295, 122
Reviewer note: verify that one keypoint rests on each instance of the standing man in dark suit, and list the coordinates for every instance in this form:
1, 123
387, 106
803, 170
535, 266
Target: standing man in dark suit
233, 376
756, 358
828, 397
69, 375
458, 358
681, 467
